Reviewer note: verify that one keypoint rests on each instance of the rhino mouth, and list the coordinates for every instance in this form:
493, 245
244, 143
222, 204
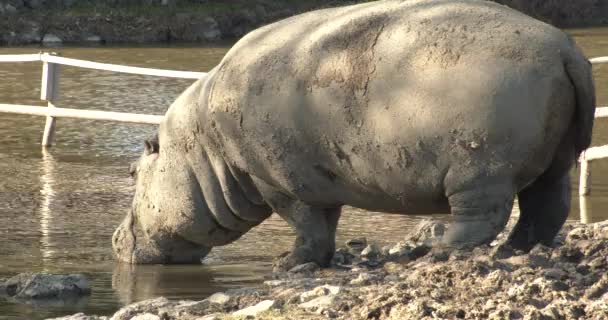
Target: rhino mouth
131, 246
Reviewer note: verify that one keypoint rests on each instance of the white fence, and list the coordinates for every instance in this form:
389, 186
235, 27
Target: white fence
593, 153
50, 84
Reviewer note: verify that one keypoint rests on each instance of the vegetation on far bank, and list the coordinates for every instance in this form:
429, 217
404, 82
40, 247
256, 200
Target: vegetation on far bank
150, 21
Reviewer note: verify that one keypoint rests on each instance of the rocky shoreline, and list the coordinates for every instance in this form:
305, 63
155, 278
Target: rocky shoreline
35, 22
410, 281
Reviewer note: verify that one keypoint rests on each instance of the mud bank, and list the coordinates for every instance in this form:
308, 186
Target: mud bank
143, 21
410, 281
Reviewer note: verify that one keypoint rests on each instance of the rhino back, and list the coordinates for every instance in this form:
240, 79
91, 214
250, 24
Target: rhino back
378, 102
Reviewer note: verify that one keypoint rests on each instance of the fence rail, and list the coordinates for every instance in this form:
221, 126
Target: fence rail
49, 91
593, 153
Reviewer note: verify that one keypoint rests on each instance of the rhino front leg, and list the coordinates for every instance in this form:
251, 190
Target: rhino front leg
315, 228
315, 234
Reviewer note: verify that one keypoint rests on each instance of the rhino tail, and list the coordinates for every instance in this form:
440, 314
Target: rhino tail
578, 69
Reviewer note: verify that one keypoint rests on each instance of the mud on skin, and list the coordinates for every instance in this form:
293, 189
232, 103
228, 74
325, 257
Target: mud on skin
414, 107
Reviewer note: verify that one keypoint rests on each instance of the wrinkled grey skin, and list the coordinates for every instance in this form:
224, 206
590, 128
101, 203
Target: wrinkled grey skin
397, 106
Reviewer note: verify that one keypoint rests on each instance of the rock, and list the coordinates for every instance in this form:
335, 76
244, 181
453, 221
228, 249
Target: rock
555, 274
51, 39
166, 309
357, 245
598, 289
93, 39
219, 298
146, 306
47, 286
578, 234
502, 251
320, 302
342, 257
362, 279
274, 283
255, 310
318, 292
399, 250
309, 267
371, 252
80, 316
421, 250
428, 230
146, 316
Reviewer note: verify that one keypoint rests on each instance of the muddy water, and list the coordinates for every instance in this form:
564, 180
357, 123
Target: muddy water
59, 209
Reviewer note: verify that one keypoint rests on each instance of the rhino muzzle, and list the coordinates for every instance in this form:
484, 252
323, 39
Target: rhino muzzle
133, 247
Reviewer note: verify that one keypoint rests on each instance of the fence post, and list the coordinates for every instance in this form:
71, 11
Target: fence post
49, 91
584, 187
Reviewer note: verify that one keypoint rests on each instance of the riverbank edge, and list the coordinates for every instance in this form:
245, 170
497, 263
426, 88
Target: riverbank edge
206, 24
407, 281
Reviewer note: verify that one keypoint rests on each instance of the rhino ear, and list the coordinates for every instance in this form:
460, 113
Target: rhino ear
151, 146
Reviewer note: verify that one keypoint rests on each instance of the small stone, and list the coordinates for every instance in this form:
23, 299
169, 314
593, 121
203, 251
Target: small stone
422, 249
569, 254
362, 279
502, 251
400, 249
318, 292
80, 316
93, 39
370, 252
357, 244
559, 285
439, 255
578, 234
309, 267
51, 39
47, 286
598, 289
255, 310
460, 314
320, 302
219, 298
146, 316
554, 273
342, 257
428, 230
274, 283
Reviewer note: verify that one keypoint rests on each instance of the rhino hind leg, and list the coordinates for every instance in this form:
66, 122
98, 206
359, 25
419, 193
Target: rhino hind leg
479, 214
544, 207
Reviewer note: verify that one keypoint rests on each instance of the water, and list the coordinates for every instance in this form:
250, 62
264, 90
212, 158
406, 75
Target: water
59, 209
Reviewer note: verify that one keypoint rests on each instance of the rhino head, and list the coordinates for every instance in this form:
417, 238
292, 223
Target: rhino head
186, 200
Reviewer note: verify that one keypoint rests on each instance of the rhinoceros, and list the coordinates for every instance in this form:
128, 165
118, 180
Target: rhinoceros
409, 107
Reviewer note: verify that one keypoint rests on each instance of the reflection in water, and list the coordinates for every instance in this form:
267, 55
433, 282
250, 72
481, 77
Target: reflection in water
138, 282
584, 210
47, 194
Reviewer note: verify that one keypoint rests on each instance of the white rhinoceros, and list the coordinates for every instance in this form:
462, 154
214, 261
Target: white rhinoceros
410, 107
